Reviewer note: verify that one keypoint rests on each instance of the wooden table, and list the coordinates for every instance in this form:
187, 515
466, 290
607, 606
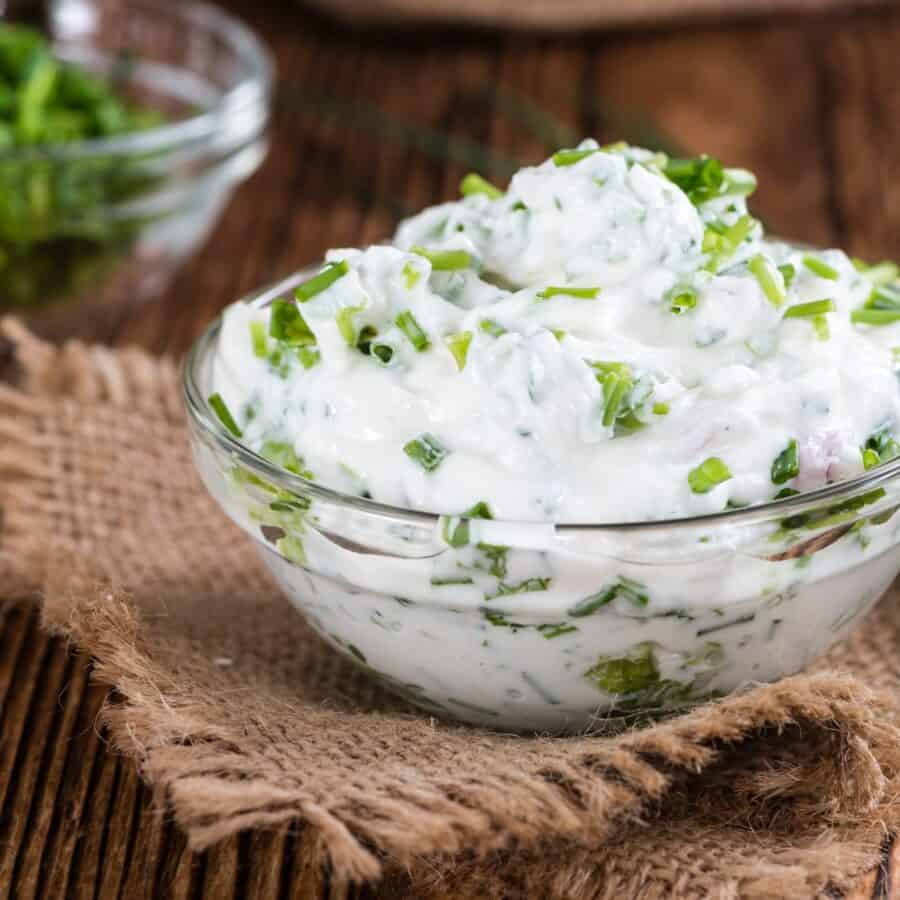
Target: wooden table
367, 126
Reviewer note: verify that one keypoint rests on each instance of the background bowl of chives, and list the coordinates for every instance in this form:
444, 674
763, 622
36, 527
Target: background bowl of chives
124, 129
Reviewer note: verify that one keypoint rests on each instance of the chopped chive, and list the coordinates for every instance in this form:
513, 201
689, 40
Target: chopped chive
582, 293
880, 273
475, 184
407, 323
411, 275
787, 464
681, 299
570, 157
558, 333
721, 242
308, 356
224, 414
884, 296
738, 182
258, 339
344, 319
489, 326
458, 344
286, 323
788, 272
632, 591
708, 474
427, 451
615, 387
282, 454
820, 268
318, 283
660, 409
367, 334
823, 330
875, 316
764, 273
806, 310
456, 531
701, 179
445, 260
880, 447
457, 580
384, 353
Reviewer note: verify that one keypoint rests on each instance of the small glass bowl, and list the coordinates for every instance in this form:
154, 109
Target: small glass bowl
95, 224
539, 627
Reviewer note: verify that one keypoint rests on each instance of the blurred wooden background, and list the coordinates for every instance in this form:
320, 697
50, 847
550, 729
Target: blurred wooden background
368, 126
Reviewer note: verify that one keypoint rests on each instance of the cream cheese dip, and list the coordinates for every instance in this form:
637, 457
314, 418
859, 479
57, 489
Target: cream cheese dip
612, 339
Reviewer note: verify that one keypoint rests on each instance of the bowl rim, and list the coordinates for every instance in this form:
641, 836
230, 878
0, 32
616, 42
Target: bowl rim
253, 89
203, 417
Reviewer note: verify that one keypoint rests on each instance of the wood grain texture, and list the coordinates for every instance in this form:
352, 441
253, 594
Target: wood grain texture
812, 105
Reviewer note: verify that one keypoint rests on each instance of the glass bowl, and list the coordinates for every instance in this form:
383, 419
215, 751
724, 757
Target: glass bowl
530, 626
95, 224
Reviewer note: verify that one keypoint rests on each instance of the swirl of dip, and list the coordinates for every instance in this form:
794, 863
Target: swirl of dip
612, 339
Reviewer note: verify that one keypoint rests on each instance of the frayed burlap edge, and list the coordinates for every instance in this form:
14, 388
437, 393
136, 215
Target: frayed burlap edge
602, 785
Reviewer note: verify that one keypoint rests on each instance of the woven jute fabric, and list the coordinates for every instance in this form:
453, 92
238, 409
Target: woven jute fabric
564, 15
242, 718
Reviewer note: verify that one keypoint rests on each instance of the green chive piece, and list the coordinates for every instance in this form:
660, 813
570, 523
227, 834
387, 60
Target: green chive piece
618, 381
344, 319
880, 273
475, 184
632, 591
286, 323
701, 179
806, 310
558, 333
332, 272
820, 268
681, 299
875, 316
258, 340
308, 356
427, 451
582, 293
884, 296
411, 276
823, 329
445, 260
224, 414
570, 157
367, 334
708, 474
721, 242
407, 323
384, 353
738, 182
455, 529
787, 464
638, 671
282, 454
788, 273
489, 326
880, 447
660, 409
764, 273
458, 344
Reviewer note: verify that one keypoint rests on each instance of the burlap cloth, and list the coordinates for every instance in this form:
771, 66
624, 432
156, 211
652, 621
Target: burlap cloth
563, 15
242, 718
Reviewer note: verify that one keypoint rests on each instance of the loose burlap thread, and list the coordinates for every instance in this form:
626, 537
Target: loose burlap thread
242, 718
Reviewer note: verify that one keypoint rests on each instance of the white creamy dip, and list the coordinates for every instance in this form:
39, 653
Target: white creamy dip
613, 339
592, 407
